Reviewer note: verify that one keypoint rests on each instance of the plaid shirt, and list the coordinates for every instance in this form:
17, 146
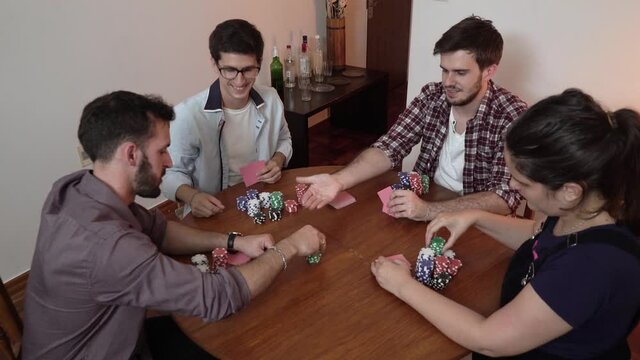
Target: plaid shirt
427, 119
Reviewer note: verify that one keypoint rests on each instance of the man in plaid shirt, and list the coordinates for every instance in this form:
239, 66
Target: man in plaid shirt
460, 121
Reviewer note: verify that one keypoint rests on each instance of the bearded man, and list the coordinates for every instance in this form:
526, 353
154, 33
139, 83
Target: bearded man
460, 121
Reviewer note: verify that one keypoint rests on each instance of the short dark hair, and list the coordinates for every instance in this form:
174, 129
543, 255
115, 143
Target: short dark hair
476, 35
111, 119
570, 138
236, 36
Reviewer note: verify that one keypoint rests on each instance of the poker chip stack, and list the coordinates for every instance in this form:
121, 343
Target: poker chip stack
275, 215
254, 202
300, 190
252, 194
241, 203
291, 206
253, 210
314, 258
265, 199
275, 211
425, 183
220, 258
434, 269
413, 181
424, 265
404, 183
201, 262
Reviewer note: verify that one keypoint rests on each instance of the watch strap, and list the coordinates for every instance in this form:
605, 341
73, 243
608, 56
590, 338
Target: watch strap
231, 241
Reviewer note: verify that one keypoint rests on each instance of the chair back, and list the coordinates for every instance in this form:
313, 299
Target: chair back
10, 326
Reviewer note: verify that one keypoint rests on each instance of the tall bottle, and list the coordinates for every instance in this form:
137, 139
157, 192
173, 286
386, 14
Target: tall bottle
318, 76
276, 72
304, 61
289, 69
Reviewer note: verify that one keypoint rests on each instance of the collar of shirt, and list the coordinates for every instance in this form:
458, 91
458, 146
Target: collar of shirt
97, 190
214, 100
483, 109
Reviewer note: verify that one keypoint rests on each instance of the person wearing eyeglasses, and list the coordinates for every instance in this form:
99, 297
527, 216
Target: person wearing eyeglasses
227, 126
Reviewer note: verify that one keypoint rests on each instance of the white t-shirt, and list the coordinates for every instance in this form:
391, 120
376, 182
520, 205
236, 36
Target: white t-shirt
238, 137
451, 161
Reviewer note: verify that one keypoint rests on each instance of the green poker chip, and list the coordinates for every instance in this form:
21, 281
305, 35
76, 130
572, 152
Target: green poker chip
437, 244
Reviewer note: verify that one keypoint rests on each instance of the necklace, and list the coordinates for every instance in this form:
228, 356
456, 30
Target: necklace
572, 240
576, 226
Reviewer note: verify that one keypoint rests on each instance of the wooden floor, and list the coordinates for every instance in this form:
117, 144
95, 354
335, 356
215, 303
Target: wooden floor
330, 145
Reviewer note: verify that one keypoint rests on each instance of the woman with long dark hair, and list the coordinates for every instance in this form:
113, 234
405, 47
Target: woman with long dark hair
572, 289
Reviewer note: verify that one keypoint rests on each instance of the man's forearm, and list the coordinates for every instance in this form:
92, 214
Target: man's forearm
488, 201
260, 272
184, 240
185, 193
370, 163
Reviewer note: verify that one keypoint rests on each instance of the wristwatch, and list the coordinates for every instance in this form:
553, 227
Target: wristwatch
230, 240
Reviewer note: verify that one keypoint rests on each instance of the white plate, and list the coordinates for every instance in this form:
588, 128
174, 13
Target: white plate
322, 87
353, 73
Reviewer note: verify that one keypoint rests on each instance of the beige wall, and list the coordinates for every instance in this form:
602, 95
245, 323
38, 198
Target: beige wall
549, 46
58, 55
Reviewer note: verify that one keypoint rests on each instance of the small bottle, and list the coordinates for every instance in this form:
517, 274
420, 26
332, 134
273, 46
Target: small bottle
318, 75
304, 61
276, 72
289, 69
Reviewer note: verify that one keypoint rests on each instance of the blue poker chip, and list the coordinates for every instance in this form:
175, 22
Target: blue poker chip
252, 194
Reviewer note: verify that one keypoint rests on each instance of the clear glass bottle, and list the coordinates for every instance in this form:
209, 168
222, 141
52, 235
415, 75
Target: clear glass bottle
276, 72
304, 61
289, 69
318, 59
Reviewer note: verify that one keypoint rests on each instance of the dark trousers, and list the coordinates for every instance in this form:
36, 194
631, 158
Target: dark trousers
166, 341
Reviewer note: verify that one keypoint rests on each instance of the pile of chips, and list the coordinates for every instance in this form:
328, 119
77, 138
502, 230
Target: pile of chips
219, 257
413, 181
435, 269
273, 202
253, 203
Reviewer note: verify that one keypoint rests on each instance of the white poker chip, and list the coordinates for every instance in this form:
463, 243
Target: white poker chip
450, 254
427, 252
198, 259
204, 268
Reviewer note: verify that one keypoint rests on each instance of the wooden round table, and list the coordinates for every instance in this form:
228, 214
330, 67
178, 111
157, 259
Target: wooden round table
336, 310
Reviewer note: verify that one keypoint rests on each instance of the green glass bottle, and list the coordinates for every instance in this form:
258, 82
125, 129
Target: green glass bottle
277, 80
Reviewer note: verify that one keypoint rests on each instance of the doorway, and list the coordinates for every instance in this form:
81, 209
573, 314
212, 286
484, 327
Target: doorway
388, 30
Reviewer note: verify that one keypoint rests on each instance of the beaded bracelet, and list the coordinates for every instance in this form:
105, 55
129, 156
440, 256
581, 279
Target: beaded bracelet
284, 258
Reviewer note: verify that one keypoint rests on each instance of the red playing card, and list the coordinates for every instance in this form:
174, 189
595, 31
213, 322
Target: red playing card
238, 259
401, 258
342, 199
249, 172
385, 196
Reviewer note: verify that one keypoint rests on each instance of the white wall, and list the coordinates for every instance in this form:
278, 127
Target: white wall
56, 56
549, 46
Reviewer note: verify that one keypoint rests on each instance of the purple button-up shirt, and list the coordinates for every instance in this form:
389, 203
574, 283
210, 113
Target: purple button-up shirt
97, 267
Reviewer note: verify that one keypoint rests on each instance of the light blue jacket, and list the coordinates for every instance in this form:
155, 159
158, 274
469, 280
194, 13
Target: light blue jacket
199, 158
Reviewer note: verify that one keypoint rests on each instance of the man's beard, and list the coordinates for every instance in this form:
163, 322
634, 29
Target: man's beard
470, 98
145, 182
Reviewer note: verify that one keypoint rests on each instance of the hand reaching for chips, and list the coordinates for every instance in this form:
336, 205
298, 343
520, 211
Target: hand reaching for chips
435, 269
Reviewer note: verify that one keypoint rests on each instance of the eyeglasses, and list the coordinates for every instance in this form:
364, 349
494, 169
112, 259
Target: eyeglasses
231, 73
